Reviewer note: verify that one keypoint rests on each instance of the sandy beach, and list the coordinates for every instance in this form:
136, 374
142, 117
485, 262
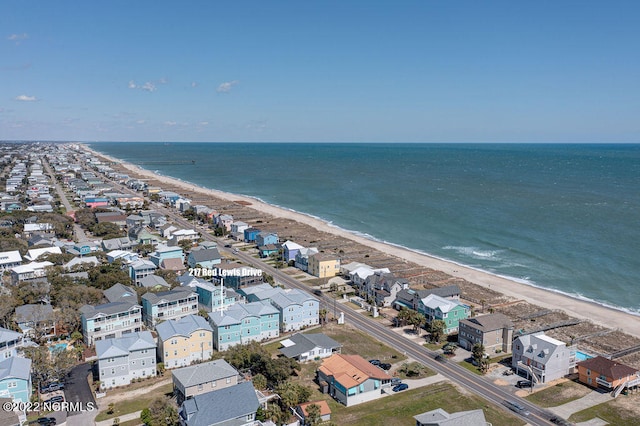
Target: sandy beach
598, 314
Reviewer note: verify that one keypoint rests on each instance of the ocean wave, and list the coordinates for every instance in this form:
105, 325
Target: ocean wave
476, 252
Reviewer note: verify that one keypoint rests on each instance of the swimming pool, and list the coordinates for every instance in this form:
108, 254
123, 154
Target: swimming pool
58, 347
581, 356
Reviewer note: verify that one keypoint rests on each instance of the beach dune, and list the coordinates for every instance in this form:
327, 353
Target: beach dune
596, 313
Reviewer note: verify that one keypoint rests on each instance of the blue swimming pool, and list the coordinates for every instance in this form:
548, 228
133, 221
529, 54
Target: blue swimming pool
581, 356
58, 347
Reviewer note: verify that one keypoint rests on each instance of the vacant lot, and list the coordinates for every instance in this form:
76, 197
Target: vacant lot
559, 394
620, 411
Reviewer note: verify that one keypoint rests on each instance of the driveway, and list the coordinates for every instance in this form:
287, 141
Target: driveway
77, 388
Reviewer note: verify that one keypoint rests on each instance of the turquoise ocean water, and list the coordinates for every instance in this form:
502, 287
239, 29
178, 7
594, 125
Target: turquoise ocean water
560, 216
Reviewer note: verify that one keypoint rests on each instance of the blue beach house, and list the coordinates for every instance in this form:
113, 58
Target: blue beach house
15, 379
266, 238
250, 235
166, 252
206, 258
290, 249
244, 323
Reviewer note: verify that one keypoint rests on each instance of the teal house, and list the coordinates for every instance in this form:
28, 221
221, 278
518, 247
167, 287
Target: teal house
166, 252
15, 379
244, 323
451, 312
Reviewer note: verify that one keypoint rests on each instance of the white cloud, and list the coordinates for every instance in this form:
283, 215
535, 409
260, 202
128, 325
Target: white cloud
163, 81
18, 37
194, 84
170, 123
149, 87
25, 98
226, 86
132, 84
204, 123
140, 121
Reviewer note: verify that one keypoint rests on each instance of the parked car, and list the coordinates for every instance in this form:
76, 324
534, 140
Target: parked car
46, 421
57, 398
440, 358
400, 387
395, 381
52, 387
384, 366
374, 361
524, 384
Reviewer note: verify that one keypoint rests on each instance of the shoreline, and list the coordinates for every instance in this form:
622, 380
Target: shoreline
593, 311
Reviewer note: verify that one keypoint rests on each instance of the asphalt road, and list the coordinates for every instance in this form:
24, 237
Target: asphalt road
457, 374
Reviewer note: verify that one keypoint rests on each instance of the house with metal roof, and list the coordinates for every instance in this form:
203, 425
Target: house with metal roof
243, 323
120, 293
306, 347
110, 320
450, 311
10, 342
9, 259
542, 357
184, 341
166, 305
206, 258
140, 269
202, 378
15, 379
231, 406
126, 358
298, 309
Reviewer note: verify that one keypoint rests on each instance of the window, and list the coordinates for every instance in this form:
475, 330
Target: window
228, 379
12, 384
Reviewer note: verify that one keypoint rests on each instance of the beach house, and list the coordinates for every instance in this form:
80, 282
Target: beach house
232, 406
410, 298
237, 230
290, 249
302, 258
202, 378
9, 259
493, 331
29, 271
10, 342
110, 320
244, 323
204, 258
351, 379
36, 321
434, 307
250, 235
209, 296
297, 309
184, 341
542, 357
15, 379
607, 374
163, 252
306, 347
166, 305
126, 358
140, 269
323, 265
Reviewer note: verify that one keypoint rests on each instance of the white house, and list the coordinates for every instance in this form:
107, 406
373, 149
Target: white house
126, 358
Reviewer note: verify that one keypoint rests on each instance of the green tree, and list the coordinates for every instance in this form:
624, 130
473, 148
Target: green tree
478, 354
161, 412
417, 320
403, 316
436, 330
259, 382
313, 417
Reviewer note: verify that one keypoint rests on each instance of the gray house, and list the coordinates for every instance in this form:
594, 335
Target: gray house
493, 331
232, 406
542, 357
305, 347
126, 358
202, 378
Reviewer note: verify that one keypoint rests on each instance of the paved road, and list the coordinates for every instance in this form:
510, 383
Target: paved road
77, 229
454, 372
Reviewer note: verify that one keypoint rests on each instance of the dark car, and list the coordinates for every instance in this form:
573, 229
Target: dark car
317, 292
57, 398
524, 384
400, 387
374, 361
46, 421
384, 366
440, 358
396, 381
52, 387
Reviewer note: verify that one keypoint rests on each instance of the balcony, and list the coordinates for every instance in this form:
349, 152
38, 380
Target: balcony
603, 382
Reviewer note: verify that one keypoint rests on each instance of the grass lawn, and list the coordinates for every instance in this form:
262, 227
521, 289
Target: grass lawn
620, 411
433, 346
355, 342
135, 404
399, 409
471, 367
559, 394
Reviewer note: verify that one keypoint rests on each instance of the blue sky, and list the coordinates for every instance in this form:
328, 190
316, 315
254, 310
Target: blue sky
356, 71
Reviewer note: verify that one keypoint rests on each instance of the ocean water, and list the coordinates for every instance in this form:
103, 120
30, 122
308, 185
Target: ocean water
561, 216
